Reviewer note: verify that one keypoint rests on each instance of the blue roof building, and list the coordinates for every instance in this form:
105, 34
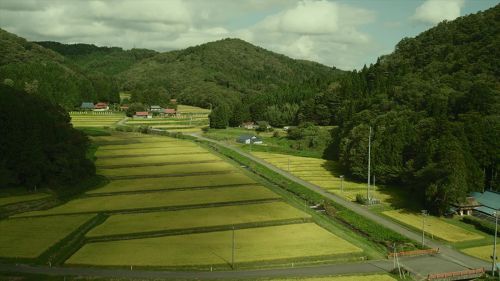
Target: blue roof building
489, 200
87, 105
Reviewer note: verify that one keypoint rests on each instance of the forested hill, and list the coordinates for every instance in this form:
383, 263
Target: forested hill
434, 107
106, 60
37, 70
229, 71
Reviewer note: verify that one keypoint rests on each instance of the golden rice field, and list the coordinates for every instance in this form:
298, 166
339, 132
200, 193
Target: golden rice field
321, 173
177, 169
295, 241
434, 226
482, 252
124, 185
22, 198
159, 199
156, 159
30, 237
181, 149
191, 109
92, 119
374, 277
197, 218
157, 144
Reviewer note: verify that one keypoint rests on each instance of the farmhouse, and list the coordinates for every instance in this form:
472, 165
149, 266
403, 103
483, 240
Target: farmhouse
87, 106
101, 106
143, 114
489, 200
249, 140
169, 112
466, 207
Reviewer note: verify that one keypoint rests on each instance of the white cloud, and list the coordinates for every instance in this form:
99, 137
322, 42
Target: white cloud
319, 30
435, 11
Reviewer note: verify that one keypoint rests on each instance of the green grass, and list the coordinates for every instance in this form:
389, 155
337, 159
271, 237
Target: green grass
23, 198
296, 241
434, 226
155, 159
177, 169
30, 237
173, 182
196, 218
159, 199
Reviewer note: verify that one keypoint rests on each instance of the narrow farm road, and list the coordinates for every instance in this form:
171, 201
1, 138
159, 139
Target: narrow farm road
447, 253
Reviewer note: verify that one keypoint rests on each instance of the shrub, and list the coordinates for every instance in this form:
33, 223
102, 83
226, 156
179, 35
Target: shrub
483, 225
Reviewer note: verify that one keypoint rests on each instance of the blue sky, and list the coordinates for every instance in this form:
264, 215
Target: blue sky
342, 33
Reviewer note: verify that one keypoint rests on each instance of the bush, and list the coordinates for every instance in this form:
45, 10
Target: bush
483, 225
276, 134
361, 199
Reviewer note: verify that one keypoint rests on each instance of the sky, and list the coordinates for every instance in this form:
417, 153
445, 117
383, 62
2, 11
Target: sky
346, 34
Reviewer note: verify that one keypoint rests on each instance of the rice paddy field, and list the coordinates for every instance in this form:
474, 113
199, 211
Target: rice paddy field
197, 218
95, 119
30, 237
172, 203
189, 119
434, 226
214, 248
22, 198
322, 173
482, 252
160, 199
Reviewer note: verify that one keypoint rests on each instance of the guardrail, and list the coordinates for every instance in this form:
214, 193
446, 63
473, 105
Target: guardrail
414, 253
457, 275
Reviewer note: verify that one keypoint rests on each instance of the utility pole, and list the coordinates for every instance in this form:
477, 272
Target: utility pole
424, 213
342, 183
232, 252
369, 156
495, 245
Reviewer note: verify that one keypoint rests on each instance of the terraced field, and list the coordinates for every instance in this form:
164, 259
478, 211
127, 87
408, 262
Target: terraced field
482, 252
22, 198
286, 242
322, 173
172, 203
434, 226
95, 119
375, 277
30, 237
188, 119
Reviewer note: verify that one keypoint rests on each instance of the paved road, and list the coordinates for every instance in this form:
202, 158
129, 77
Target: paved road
461, 260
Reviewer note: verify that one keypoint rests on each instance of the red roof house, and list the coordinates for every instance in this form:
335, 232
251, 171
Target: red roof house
101, 105
170, 111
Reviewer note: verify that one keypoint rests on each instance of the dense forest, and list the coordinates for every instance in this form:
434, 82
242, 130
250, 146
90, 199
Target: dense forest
434, 108
39, 146
231, 73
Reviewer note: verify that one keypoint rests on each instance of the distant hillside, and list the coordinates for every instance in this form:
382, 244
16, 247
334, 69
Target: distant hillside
434, 105
37, 70
228, 71
90, 58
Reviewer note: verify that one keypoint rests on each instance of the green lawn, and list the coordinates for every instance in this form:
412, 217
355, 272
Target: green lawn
22, 198
295, 241
434, 226
159, 199
195, 218
174, 182
176, 158
30, 237
177, 169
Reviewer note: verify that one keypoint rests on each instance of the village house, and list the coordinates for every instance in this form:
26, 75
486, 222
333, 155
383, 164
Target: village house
101, 106
143, 114
169, 112
87, 106
249, 140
